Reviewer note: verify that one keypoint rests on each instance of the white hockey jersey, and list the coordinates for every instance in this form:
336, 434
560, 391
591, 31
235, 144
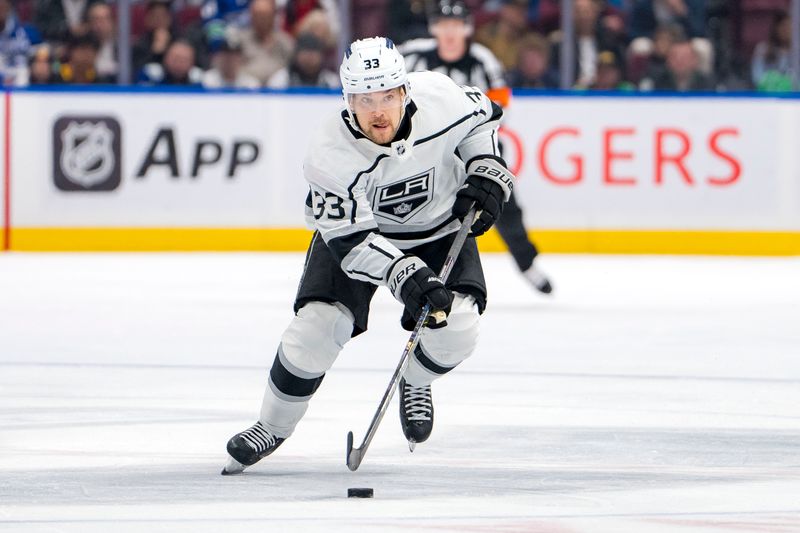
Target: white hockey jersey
369, 202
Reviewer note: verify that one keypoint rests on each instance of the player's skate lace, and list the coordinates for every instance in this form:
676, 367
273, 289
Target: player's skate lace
258, 437
418, 403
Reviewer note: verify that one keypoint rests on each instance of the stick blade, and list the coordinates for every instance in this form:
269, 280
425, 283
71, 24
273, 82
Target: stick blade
354, 455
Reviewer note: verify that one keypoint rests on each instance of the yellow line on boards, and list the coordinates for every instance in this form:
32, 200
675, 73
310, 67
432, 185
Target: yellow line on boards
665, 242
292, 239
159, 239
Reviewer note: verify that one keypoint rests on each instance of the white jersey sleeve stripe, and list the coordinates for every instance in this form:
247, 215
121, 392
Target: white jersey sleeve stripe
380, 250
451, 126
351, 229
482, 139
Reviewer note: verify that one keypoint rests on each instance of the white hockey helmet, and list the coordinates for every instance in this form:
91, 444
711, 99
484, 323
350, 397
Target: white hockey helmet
371, 65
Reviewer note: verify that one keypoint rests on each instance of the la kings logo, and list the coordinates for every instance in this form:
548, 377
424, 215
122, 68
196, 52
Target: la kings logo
86, 153
401, 200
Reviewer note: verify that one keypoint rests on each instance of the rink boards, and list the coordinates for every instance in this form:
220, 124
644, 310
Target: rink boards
143, 170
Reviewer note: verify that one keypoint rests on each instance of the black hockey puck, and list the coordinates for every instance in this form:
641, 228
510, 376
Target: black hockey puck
360, 493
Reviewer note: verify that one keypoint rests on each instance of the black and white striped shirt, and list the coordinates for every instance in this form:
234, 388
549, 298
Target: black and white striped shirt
478, 68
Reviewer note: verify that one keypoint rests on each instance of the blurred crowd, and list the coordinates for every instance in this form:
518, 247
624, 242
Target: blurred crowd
665, 45
215, 44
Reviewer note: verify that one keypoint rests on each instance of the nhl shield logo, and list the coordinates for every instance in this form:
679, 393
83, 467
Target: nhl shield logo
401, 149
86, 153
401, 200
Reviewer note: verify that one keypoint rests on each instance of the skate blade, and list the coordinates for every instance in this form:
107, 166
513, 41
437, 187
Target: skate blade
232, 468
411, 446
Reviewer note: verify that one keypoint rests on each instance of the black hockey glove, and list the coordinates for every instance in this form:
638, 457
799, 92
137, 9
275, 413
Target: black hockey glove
414, 284
489, 186
488, 198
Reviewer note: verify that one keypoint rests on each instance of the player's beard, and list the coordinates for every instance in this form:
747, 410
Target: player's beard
382, 128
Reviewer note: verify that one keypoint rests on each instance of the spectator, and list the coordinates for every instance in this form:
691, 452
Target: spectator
101, 27
40, 66
266, 49
16, 42
194, 34
682, 72
79, 68
306, 69
178, 67
590, 38
545, 15
159, 33
296, 11
610, 73
217, 14
371, 20
189, 23
226, 71
771, 67
646, 15
648, 57
319, 24
613, 23
503, 35
533, 65
60, 20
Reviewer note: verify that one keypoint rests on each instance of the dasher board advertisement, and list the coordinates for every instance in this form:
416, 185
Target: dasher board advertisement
172, 170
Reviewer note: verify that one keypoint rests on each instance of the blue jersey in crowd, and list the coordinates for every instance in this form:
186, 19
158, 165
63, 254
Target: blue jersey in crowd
16, 41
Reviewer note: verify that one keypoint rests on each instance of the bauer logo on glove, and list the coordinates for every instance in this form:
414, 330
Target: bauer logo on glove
488, 186
495, 174
400, 276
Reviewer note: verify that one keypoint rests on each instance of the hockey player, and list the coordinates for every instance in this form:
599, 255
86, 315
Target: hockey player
452, 53
387, 194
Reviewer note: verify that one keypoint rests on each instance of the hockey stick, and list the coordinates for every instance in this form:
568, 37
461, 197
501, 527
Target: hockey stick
356, 455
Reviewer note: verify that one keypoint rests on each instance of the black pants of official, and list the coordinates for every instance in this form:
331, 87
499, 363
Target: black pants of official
513, 232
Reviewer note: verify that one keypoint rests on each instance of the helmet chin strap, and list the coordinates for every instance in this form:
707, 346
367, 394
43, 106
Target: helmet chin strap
351, 117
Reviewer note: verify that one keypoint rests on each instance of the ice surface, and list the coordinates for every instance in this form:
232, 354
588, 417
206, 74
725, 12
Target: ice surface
650, 394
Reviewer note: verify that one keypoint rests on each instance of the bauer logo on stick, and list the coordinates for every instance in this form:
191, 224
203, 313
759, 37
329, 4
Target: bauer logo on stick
86, 153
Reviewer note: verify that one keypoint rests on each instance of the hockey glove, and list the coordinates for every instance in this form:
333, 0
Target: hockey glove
414, 284
489, 186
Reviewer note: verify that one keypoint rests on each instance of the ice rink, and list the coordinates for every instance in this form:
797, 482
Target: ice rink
649, 394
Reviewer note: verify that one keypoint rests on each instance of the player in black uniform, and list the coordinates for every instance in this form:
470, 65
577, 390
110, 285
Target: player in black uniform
452, 53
